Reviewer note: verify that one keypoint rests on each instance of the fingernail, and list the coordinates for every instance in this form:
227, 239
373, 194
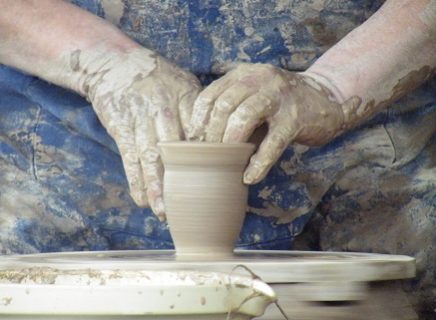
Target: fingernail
159, 209
190, 132
196, 134
249, 176
162, 217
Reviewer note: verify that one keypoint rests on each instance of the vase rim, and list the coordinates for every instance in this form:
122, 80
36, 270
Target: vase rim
201, 144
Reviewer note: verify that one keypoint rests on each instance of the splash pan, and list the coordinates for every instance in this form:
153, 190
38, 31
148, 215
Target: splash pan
161, 285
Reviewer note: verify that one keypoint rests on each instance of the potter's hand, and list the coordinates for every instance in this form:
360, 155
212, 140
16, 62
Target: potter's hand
141, 99
296, 108
138, 96
350, 83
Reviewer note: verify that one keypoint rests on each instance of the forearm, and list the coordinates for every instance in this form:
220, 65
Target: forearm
46, 38
389, 55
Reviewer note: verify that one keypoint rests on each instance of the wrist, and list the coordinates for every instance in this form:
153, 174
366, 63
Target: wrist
335, 93
348, 110
87, 71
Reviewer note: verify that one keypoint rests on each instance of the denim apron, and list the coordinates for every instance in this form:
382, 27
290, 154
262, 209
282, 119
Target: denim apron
62, 184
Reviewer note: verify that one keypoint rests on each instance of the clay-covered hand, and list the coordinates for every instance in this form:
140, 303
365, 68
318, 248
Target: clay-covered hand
141, 99
296, 107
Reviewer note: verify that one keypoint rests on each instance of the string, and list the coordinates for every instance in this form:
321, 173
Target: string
254, 276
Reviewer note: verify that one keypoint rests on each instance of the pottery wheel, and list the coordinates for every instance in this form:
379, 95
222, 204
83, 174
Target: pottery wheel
306, 283
271, 266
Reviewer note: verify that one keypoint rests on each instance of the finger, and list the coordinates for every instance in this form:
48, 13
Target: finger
224, 106
151, 166
153, 175
125, 140
186, 105
203, 106
271, 148
162, 107
164, 127
247, 117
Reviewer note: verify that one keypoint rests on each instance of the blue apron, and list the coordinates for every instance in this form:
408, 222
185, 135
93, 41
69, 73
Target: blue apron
62, 185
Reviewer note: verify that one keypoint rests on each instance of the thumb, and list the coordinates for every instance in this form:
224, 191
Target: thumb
270, 150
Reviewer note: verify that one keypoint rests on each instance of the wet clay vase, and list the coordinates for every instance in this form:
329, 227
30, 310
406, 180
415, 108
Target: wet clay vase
205, 198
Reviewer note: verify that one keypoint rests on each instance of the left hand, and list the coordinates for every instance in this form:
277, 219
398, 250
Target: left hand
140, 98
296, 108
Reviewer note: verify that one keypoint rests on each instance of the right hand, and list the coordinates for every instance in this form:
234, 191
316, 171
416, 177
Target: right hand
296, 107
141, 99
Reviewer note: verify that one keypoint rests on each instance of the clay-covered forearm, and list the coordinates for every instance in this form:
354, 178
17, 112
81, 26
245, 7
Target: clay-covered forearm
389, 55
45, 38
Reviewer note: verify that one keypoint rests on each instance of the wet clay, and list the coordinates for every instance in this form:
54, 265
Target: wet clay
205, 197
407, 83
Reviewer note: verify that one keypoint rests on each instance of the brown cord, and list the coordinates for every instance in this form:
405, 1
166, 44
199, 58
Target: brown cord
253, 277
